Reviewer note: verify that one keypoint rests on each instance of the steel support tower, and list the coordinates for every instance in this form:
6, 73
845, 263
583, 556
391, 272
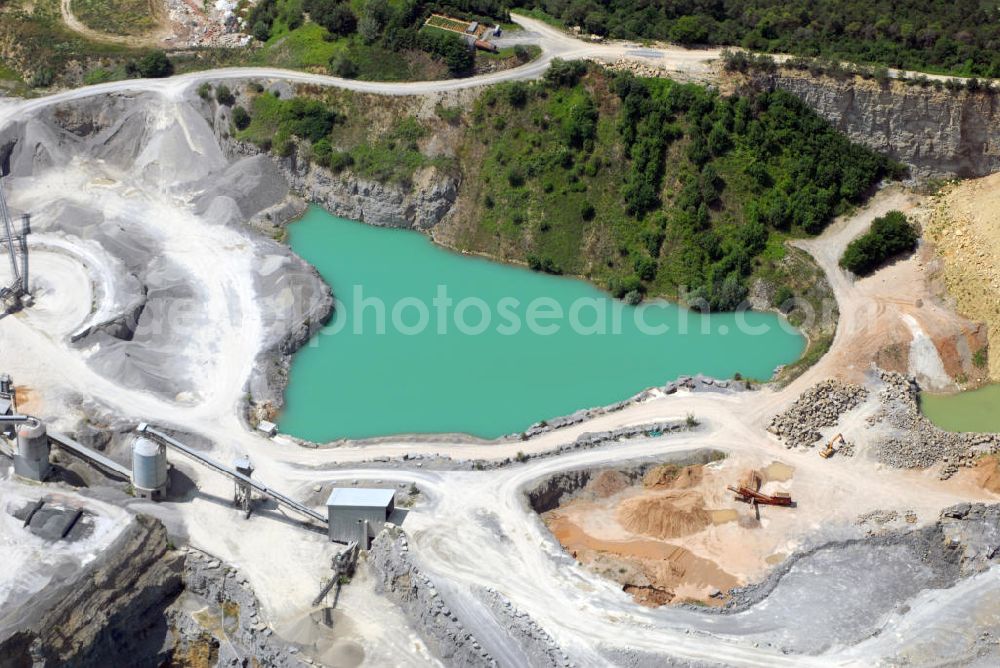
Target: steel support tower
14, 295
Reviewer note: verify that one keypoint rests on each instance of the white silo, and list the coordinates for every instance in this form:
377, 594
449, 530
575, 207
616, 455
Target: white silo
149, 469
32, 458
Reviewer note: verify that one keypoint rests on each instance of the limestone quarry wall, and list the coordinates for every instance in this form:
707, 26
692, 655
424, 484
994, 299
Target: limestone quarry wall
939, 133
111, 613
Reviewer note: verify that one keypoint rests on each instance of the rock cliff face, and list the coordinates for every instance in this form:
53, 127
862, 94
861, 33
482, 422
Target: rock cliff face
420, 204
111, 614
939, 133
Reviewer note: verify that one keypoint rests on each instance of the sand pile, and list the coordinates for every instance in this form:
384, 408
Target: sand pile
607, 483
964, 228
670, 476
665, 516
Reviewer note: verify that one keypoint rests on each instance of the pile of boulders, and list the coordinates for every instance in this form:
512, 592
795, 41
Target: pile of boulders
637, 68
914, 441
818, 407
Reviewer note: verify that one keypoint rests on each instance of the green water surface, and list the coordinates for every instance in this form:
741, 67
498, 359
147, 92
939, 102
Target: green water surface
975, 410
357, 380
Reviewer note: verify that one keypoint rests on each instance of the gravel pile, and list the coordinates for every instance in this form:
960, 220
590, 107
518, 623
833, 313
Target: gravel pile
877, 517
916, 442
818, 407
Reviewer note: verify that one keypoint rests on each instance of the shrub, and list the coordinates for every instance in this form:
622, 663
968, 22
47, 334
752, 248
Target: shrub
889, 236
544, 264
340, 160
41, 78
516, 176
979, 358
344, 67
517, 94
261, 31
689, 30
241, 119
565, 73
153, 65
335, 16
781, 298
224, 96
205, 90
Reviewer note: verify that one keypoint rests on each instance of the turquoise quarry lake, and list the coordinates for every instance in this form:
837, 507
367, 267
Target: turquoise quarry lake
429, 341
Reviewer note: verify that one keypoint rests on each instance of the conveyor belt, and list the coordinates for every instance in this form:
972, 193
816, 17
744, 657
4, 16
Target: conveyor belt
92, 456
232, 473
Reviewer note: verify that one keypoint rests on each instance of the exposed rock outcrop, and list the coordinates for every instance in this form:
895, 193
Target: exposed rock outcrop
111, 614
234, 603
419, 203
939, 133
400, 579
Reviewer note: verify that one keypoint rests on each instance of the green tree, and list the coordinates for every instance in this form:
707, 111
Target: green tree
690, 30
890, 235
333, 15
153, 65
224, 96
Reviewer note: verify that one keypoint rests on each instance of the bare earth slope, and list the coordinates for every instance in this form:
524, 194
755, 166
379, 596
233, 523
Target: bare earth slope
966, 229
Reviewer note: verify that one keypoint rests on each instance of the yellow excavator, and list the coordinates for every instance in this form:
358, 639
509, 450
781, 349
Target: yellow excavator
827, 452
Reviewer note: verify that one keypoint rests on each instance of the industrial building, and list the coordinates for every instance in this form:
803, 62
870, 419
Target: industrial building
356, 513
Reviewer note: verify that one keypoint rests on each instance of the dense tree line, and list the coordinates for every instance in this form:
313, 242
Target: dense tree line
797, 171
960, 36
651, 186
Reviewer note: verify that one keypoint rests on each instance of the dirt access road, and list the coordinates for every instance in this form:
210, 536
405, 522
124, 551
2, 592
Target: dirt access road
152, 38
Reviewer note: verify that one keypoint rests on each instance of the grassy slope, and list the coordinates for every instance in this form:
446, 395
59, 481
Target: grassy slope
116, 17
382, 143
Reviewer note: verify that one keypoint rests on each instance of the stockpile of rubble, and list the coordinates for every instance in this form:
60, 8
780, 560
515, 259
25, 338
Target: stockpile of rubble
197, 23
915, 441
818, 407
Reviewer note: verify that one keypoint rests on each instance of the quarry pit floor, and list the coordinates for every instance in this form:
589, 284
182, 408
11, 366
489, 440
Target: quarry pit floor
474, 529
